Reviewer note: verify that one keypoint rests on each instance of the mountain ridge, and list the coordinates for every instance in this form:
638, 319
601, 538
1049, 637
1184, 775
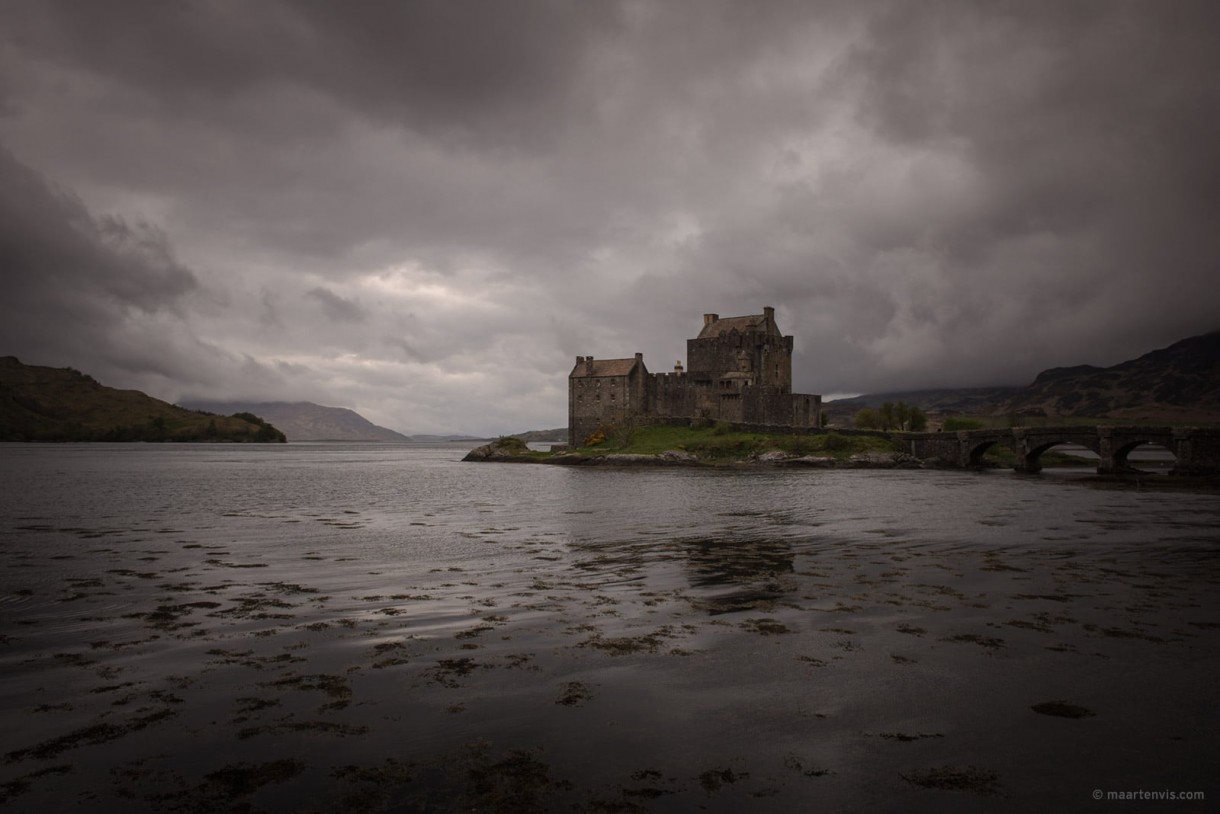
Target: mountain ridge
40, 403
1179, 383
307, 421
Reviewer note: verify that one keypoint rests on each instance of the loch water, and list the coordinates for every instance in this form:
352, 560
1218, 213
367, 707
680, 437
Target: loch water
382, 627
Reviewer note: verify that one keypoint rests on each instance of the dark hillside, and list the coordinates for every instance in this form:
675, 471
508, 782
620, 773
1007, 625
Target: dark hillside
63, 404
306, 421
1179, 384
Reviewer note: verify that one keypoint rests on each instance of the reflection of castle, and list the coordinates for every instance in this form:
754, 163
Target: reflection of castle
740, 370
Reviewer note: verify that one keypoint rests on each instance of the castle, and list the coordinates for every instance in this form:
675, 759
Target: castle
739, 369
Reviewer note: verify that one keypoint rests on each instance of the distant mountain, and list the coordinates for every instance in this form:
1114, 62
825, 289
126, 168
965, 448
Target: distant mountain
967, 401
306, 421
441, 439
63, 404
1179, 384
559, 435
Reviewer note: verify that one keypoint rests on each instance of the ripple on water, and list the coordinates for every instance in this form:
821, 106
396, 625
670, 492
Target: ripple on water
715, 638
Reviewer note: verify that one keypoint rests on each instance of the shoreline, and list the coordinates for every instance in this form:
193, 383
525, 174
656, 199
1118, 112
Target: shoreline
680, 458
770, 461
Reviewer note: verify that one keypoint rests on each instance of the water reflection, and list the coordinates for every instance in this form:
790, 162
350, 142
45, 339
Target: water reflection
729, 574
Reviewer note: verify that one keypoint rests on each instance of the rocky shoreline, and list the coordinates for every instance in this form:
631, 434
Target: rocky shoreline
865, 460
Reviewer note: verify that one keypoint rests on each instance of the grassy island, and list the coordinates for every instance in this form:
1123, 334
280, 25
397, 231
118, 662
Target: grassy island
715, 444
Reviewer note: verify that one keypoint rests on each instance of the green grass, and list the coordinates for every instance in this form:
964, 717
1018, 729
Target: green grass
718, 443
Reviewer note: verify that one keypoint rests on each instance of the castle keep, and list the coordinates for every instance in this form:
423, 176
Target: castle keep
739, 369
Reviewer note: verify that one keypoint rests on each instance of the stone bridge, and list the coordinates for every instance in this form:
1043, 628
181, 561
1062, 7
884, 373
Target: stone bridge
1197, 450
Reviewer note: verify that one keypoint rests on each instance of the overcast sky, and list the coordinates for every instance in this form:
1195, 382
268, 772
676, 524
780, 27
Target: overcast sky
424, 211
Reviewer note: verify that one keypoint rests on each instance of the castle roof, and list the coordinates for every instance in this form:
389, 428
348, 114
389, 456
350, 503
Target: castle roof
594, 368
722, 326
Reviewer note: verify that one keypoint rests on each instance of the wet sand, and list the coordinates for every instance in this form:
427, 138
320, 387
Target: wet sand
283, 660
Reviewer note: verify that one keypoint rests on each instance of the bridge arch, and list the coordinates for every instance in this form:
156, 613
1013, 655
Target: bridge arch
1169, 461
1196, 450
1033, 458
977, 449
1032, 448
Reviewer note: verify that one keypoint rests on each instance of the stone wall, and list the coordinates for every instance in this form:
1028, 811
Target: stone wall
598, 402
766, 360
739, 370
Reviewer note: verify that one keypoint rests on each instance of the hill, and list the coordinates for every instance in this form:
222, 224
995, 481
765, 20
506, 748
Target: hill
63, 404
964, 401
558, 436
306, 421
1178, 384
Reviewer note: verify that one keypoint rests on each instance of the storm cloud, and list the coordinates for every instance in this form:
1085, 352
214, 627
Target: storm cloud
424, 210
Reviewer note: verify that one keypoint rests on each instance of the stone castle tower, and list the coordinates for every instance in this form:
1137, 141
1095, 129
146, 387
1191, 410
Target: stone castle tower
739, 369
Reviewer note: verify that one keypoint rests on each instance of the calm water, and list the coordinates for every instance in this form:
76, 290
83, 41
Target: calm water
318, 627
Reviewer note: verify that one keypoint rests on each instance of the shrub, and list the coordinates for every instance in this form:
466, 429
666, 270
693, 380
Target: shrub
510, 444
833, 441
955, 423
867, 419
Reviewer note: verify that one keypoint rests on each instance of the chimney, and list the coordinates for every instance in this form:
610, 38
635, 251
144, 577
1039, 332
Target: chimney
678, 366
708, 319
639, 357
769, 313
589, 365
580, 360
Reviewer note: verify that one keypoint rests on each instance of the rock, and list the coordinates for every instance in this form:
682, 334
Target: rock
904, 461
630, 459
818, 461
775, 456
679, 457
502, 449
568, 458
872, 460
482, 453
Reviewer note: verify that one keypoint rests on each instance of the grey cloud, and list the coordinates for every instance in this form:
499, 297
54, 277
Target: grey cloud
941, 193
336, 308
469, 71
71, 277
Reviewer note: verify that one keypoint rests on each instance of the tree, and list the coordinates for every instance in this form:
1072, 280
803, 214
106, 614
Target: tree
902, 415
867, 419
887, 415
